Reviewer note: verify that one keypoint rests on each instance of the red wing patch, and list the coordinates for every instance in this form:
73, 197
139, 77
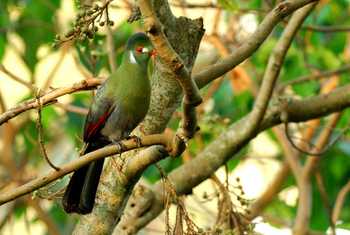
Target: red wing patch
93, 128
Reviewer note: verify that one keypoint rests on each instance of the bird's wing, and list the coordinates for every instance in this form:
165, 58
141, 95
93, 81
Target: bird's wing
99, 111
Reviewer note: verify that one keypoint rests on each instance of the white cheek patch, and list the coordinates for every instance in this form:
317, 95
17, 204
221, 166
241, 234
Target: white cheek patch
132, 58
145, 50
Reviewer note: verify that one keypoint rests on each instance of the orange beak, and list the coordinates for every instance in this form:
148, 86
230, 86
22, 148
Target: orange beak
153, 53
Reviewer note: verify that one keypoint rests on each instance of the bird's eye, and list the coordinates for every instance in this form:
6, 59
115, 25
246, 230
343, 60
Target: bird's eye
139, 49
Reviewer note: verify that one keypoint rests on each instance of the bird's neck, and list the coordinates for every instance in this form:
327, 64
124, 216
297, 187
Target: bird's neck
129, 60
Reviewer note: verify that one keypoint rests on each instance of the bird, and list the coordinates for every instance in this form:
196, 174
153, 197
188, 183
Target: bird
119, 105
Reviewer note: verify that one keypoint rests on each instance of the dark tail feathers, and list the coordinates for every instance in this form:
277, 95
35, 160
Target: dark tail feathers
80, 193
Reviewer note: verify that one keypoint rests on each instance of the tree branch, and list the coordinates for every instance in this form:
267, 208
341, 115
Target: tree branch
320, 75
248, 127
340, 201
170, 58
48, 98
147, 204
252, 44
156, 139
16, 78
305, 188
327, 29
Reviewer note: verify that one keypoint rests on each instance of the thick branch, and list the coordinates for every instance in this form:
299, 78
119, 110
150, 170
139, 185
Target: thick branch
184, 178
173, 61
208, 163
127, 172
157, 139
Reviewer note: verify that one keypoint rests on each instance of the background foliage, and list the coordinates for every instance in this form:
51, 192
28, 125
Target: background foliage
37, 23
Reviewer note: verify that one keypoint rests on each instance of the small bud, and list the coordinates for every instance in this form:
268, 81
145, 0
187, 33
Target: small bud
110, 23
102, 23
57, 37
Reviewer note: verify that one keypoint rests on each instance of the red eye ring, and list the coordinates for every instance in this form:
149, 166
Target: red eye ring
139, 49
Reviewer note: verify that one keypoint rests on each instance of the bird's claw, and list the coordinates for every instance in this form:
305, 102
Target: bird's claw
120, 145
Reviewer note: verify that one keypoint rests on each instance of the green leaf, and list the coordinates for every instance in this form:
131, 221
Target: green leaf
122, 34
280, 209
223, 99
242, 103
294, 59
307, 89
36, 27
337, 42
19, 211
4, 23
48, 117
168, 164
230, 5
2, 45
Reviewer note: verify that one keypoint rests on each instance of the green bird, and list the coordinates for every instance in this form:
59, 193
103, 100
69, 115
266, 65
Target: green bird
119, 105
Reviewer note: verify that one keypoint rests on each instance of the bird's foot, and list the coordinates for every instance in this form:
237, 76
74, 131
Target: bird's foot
121, 161
136, 139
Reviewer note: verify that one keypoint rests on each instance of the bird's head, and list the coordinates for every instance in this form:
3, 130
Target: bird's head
139, 49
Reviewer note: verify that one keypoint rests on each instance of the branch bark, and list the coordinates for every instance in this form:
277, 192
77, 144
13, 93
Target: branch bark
148, 202
217, 153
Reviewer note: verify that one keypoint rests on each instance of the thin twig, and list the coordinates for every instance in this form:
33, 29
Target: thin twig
318, 152
16, 78
327, 29
339, 202
49, 97
305, 188
320, 75
73, 108
40, 134
165, 139
325, 200
110, 43
276, 15
3, 107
